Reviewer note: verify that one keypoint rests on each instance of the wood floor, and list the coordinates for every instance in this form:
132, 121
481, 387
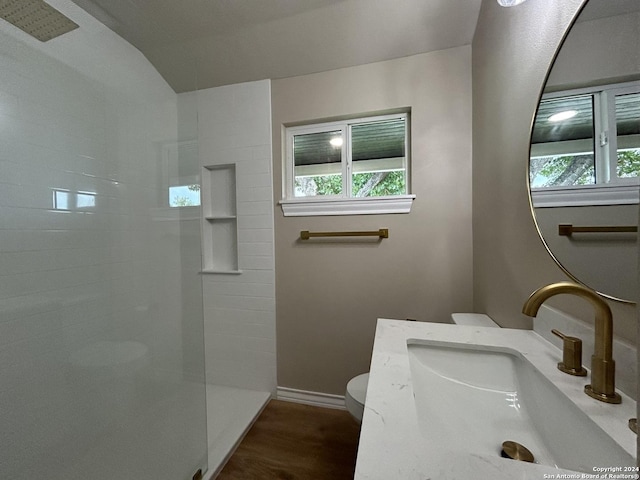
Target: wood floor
290, 441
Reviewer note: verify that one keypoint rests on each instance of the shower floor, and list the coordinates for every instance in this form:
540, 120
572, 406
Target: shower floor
230, 414
157, 436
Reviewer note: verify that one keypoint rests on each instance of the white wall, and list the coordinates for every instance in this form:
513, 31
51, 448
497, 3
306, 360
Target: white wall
234, 124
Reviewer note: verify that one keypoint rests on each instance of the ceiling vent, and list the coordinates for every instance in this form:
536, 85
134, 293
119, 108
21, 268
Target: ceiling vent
37, 18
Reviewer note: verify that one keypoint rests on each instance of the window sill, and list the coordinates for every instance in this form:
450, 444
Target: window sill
347, 206
586, 195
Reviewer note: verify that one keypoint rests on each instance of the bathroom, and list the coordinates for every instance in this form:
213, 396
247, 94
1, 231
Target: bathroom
112, 332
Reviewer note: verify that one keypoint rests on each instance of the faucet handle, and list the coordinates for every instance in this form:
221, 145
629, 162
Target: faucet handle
571, 355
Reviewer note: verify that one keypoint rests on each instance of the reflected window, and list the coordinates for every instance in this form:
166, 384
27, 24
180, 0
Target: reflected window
85, 200
587, 137
627, 121
184, 195
64, 199
61, 199
181, 174
562, 150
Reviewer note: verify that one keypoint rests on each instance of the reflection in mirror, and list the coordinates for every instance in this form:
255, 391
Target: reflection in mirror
584, 164
181, 174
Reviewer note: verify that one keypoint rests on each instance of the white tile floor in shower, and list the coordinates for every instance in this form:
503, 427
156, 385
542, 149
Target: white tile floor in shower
230, 414
151, 444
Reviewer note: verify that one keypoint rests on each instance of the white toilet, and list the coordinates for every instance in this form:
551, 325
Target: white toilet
356, 393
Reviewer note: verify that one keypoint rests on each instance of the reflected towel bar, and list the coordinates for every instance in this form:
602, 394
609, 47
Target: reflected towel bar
566, 229
381, 233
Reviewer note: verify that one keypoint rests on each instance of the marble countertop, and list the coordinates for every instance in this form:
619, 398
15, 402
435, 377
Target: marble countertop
391, 445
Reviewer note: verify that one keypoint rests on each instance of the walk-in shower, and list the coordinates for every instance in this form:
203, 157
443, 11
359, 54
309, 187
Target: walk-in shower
102, 354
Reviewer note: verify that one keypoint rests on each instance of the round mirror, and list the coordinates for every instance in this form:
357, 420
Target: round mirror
584, 166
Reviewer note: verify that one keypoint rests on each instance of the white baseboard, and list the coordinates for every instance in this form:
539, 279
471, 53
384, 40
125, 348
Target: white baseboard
316, 399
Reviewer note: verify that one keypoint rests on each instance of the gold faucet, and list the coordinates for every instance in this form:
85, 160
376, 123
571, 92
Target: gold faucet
603, 367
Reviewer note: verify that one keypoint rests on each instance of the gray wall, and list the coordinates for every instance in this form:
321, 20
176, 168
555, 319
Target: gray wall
604, 262
329, 295
509, 258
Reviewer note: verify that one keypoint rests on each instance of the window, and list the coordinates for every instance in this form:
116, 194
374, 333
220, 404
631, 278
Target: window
348, 167
586, 142
64, 199
184, 195
181, 168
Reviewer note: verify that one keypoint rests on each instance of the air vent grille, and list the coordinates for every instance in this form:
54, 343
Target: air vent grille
37, 18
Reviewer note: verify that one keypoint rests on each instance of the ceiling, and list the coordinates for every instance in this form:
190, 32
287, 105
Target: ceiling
595, 9
207, 43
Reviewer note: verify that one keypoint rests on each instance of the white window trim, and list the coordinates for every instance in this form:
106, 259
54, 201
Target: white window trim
293, 206
585, 195
347, 206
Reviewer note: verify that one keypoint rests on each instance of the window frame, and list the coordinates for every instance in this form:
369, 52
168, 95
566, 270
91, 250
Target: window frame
608, 189
345, 203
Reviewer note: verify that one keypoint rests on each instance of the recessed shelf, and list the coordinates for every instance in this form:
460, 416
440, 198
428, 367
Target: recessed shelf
220, 223
221, 217
221, 272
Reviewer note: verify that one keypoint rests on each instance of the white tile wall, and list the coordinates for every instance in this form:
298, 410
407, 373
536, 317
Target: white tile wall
74, 280
234, 124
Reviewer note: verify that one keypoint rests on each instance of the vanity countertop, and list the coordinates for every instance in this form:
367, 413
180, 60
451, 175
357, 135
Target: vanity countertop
391, 445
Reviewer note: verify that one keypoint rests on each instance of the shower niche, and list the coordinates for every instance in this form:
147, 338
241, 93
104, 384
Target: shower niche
220, 220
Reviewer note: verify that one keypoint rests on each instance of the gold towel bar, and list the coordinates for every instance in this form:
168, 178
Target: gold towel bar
381, 233
566, 229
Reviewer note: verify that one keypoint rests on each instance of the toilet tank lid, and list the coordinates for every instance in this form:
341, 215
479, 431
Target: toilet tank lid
473, 319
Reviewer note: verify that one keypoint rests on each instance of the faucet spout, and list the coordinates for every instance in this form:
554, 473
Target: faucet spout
602, 385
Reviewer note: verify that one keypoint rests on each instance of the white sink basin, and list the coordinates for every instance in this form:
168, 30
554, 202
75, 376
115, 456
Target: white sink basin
442, 399
474, 398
